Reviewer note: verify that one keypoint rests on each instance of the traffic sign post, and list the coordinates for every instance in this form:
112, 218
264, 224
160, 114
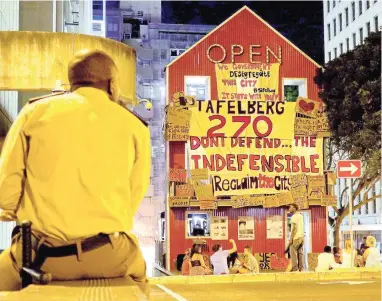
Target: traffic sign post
350, 169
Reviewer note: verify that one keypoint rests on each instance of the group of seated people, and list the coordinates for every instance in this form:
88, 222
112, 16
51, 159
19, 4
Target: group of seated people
220, 263
366, 256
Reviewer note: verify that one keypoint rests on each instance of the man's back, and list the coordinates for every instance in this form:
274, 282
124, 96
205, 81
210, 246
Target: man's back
80, 165
219, 261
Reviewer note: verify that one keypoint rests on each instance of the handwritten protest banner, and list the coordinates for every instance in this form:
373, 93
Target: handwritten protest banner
285, 198
178, 124
208, 204
176, 201
271, 201
298, 180
257, 200
199, 174
184, 190
316, 187
305, 126
177, 175
323, 124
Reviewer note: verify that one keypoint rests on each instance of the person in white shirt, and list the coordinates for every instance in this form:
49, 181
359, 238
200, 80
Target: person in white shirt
296, 242
347, 255
326, 261
372, 256
219, 258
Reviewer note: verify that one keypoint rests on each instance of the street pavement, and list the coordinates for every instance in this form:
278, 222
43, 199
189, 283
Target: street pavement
347, 290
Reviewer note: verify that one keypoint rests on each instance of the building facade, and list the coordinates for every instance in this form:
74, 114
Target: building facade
346, 25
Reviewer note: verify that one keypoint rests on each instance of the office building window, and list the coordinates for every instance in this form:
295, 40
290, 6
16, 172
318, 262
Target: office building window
334, 27
340, 21
376, 23
367, 29
347, 16
335, 53
341, 48
360, 7
330, 56
328, 6
353, 10
329, 32
367, 4
347, 44
361, 35
334, 3
354, 40
163, 54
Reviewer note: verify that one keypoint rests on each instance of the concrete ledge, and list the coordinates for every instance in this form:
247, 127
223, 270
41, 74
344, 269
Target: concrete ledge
338, 274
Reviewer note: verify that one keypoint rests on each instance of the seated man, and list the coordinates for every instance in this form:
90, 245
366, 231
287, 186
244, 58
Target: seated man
326, 261
219, 258
77, 166
249, 263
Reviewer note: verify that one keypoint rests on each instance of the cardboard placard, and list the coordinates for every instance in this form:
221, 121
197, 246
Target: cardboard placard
199, 174
278, 263
316, 187
257, 200
177, 175
312, 261
219, 228
178, 116
307, 107
305, 126
175, 132
176, 201
285, 198
203, 192
302, 203
184, 190
246, 228
329, 200
272, 201
323, 124
300, 196
208, 204
332, 178
241, 201
299, 179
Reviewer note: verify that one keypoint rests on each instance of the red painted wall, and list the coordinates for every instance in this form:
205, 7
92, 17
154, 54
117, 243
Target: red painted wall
244, 29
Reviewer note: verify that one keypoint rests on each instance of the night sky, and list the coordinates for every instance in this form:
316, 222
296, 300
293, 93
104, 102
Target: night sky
299, 21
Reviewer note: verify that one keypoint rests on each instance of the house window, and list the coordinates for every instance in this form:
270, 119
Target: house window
335, 53
329, 37
334, 27
328, 5
198, 224
330, 56
347, 16
367, 4
347, 44
340, 21
295, 87
353, 10
198, 86
367, 29
361, 35
360, 7
354, 40
376, 23
341, 48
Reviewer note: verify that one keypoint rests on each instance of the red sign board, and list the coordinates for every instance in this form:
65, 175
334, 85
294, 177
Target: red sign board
349, 169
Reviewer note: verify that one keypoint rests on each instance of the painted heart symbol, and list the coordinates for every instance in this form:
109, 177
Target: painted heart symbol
306, 106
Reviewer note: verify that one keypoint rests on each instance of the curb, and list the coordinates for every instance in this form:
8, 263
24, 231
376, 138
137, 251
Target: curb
338, 274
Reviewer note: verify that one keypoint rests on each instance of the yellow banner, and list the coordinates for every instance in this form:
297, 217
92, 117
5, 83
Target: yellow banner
248, 81
250, 147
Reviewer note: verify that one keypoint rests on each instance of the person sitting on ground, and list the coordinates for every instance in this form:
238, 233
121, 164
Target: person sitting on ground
219, 258
337, 255
347, 255
196, 263
186, 263
249, 263
234, 263
371, 256
326, 261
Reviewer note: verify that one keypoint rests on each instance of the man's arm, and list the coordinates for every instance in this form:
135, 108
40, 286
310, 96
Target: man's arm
12, 167
140, 175
234, 248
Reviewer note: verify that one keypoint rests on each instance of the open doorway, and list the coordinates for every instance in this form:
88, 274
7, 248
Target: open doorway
306, 214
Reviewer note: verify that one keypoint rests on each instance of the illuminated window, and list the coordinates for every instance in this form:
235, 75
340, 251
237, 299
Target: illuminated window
198, 86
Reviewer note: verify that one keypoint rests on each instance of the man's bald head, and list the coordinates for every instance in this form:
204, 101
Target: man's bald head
93, 69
